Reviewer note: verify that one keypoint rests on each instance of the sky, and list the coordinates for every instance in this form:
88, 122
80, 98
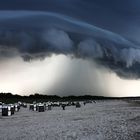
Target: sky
70, 47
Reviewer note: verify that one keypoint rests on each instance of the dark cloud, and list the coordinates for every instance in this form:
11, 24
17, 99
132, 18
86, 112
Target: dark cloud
39, 34
121, 16
83, 45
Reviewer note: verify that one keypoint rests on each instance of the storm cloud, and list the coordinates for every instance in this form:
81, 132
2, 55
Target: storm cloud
40, 34
89, 36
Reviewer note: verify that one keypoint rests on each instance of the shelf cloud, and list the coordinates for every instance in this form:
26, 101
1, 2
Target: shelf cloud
36, 35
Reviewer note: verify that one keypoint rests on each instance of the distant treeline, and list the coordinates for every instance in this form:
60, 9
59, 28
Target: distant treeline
10, 98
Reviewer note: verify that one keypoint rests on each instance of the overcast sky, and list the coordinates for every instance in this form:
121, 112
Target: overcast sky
70, 47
